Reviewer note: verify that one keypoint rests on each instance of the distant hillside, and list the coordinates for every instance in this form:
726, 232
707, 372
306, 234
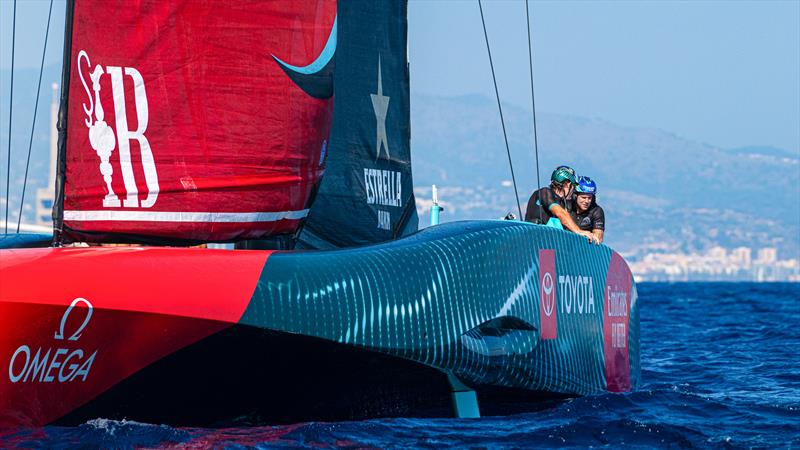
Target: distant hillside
659, 189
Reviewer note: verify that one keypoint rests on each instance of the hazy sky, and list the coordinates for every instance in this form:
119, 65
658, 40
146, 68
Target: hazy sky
724, 73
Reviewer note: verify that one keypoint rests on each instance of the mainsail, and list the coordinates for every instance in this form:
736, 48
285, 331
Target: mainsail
367, 193
193, 120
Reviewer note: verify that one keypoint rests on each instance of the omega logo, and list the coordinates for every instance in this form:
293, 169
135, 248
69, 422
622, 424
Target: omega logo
50, 364
77, 334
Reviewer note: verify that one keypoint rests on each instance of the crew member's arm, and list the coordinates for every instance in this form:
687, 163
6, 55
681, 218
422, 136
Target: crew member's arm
598, 223
569, 224
529, 216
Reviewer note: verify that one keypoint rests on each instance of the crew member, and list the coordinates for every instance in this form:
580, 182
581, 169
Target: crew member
550, 205
586, 213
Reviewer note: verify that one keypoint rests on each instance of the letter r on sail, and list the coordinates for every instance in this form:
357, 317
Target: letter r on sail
124, 136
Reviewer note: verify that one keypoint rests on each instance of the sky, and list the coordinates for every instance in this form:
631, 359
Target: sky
719, 72
726, 73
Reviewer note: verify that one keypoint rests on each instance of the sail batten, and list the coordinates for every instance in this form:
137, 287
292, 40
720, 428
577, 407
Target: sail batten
184, 216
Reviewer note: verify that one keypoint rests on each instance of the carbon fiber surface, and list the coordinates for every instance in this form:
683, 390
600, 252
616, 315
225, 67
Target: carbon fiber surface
465, 298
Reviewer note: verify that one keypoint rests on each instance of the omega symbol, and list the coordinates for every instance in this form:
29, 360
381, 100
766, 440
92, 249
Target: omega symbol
59, 335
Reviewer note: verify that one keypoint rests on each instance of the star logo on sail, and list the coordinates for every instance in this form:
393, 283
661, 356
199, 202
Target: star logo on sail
380, 104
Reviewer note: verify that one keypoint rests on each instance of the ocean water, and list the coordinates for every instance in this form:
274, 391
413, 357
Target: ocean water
720, 368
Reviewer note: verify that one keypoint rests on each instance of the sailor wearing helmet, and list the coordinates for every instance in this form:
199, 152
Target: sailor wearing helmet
550, 205
586, 213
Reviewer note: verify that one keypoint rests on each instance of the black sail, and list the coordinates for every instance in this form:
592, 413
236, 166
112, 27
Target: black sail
366, 195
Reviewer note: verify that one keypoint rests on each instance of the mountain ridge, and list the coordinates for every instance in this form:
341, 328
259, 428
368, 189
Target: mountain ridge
659, 185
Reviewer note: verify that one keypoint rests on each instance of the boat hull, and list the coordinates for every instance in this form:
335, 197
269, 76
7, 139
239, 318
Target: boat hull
514, 311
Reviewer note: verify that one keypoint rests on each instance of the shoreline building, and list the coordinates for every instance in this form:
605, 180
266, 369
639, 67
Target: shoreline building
46, 196
717, 264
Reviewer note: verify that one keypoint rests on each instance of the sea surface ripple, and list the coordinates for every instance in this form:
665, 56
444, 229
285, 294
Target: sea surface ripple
720, 368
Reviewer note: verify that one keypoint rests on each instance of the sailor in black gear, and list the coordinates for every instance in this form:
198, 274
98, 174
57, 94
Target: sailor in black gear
551, 205
586, 213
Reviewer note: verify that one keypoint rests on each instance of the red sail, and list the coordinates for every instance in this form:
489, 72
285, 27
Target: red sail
198, 120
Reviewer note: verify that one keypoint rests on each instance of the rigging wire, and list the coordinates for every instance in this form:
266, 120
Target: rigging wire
502, 121
10, 111
35, 109
533, 97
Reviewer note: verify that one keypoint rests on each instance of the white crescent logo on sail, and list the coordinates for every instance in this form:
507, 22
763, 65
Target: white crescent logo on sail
315, 79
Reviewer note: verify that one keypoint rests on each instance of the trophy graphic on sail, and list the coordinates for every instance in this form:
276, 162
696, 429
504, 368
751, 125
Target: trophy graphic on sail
102, 138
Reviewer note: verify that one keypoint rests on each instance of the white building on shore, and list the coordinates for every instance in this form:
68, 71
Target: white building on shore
717, 264
45, 197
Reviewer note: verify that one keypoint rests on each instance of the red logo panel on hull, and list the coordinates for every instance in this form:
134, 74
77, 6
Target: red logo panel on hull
547, 293
616, 320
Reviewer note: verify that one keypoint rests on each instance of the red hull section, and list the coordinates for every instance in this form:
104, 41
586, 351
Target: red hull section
181, 123
68, 332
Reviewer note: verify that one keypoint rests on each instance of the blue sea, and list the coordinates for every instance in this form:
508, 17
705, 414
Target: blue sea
720, 368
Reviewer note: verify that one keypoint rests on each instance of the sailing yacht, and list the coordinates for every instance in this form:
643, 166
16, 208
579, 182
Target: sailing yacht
282, 127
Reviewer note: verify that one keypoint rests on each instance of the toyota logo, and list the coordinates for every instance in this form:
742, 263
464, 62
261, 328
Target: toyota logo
548, 294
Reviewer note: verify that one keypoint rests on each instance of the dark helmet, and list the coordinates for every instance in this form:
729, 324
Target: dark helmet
562, 174
586, 186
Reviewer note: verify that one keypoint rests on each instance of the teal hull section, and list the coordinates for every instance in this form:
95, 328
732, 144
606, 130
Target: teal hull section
492, 303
